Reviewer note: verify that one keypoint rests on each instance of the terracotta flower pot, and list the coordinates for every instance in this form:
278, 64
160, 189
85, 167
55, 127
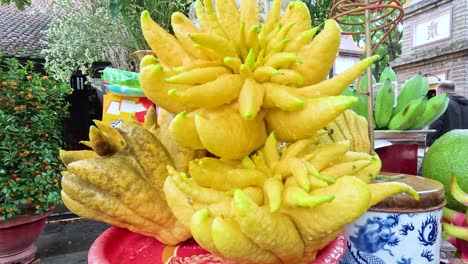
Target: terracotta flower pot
17, 238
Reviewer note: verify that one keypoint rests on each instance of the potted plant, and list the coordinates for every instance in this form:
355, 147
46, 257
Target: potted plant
32, 108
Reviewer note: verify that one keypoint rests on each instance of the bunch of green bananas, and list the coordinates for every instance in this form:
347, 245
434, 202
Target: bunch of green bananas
279, 205
235, 80
411, 110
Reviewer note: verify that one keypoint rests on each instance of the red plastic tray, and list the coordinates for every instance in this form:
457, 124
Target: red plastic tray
118, 245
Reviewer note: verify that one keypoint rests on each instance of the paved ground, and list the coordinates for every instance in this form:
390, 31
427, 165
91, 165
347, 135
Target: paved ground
67, 240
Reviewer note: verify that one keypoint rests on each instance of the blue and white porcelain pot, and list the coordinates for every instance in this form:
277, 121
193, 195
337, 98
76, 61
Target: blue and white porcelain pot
399, 230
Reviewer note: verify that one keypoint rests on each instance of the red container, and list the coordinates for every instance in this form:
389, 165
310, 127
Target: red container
17, 238
118, 245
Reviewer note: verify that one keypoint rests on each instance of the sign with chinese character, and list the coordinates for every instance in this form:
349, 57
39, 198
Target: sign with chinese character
433, 29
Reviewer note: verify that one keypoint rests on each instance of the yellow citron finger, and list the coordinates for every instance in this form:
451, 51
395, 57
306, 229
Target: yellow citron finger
324, 155
273, 232
165, 45
200, 226
337, 84
319, 55
369, 173
201, 16
233, 244
224, 124
273, 16
245, 72
297, 148
213, 19
363, 127
155, 88
151, 118
180, 207
198, 75
183, 27
352, 197
281, 34
380, 191
288, 77
262, 37
282, 96
301, 40
248, 163
273, 189
297, 197
315, 174
218, 44
252, 38
233, 62
250, 59
184, 132
260, 163
296, 168
148, 60
209, 172
115, 139
248, 13
347, 168
196, 65
251, 98
300, 17
69, 156
275, 47
335, 131
304, 123
196, 192
270, 151
229, 18
287, 13
242, 45
340, 121
223, 90
264, 73
282, 60
354, 156
351, 121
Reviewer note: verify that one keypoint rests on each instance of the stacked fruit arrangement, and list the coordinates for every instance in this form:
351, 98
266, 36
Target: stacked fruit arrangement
411, 109
238, 156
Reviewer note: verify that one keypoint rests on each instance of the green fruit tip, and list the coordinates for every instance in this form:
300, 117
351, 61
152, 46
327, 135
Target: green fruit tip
285, 41
299, 103
169, 79
228, 60
300, 80
374, 58
276, 72
297, 59
254, 27
145, 14
248, 115
154, 67
272, 136
172, 92
181, 115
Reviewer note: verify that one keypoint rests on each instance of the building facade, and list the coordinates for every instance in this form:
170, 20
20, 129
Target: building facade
435, 43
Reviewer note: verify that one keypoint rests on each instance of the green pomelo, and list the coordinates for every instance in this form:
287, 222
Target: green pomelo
449, 155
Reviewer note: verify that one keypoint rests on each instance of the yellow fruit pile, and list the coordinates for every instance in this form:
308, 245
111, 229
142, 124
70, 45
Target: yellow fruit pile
245, 154
234, 80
